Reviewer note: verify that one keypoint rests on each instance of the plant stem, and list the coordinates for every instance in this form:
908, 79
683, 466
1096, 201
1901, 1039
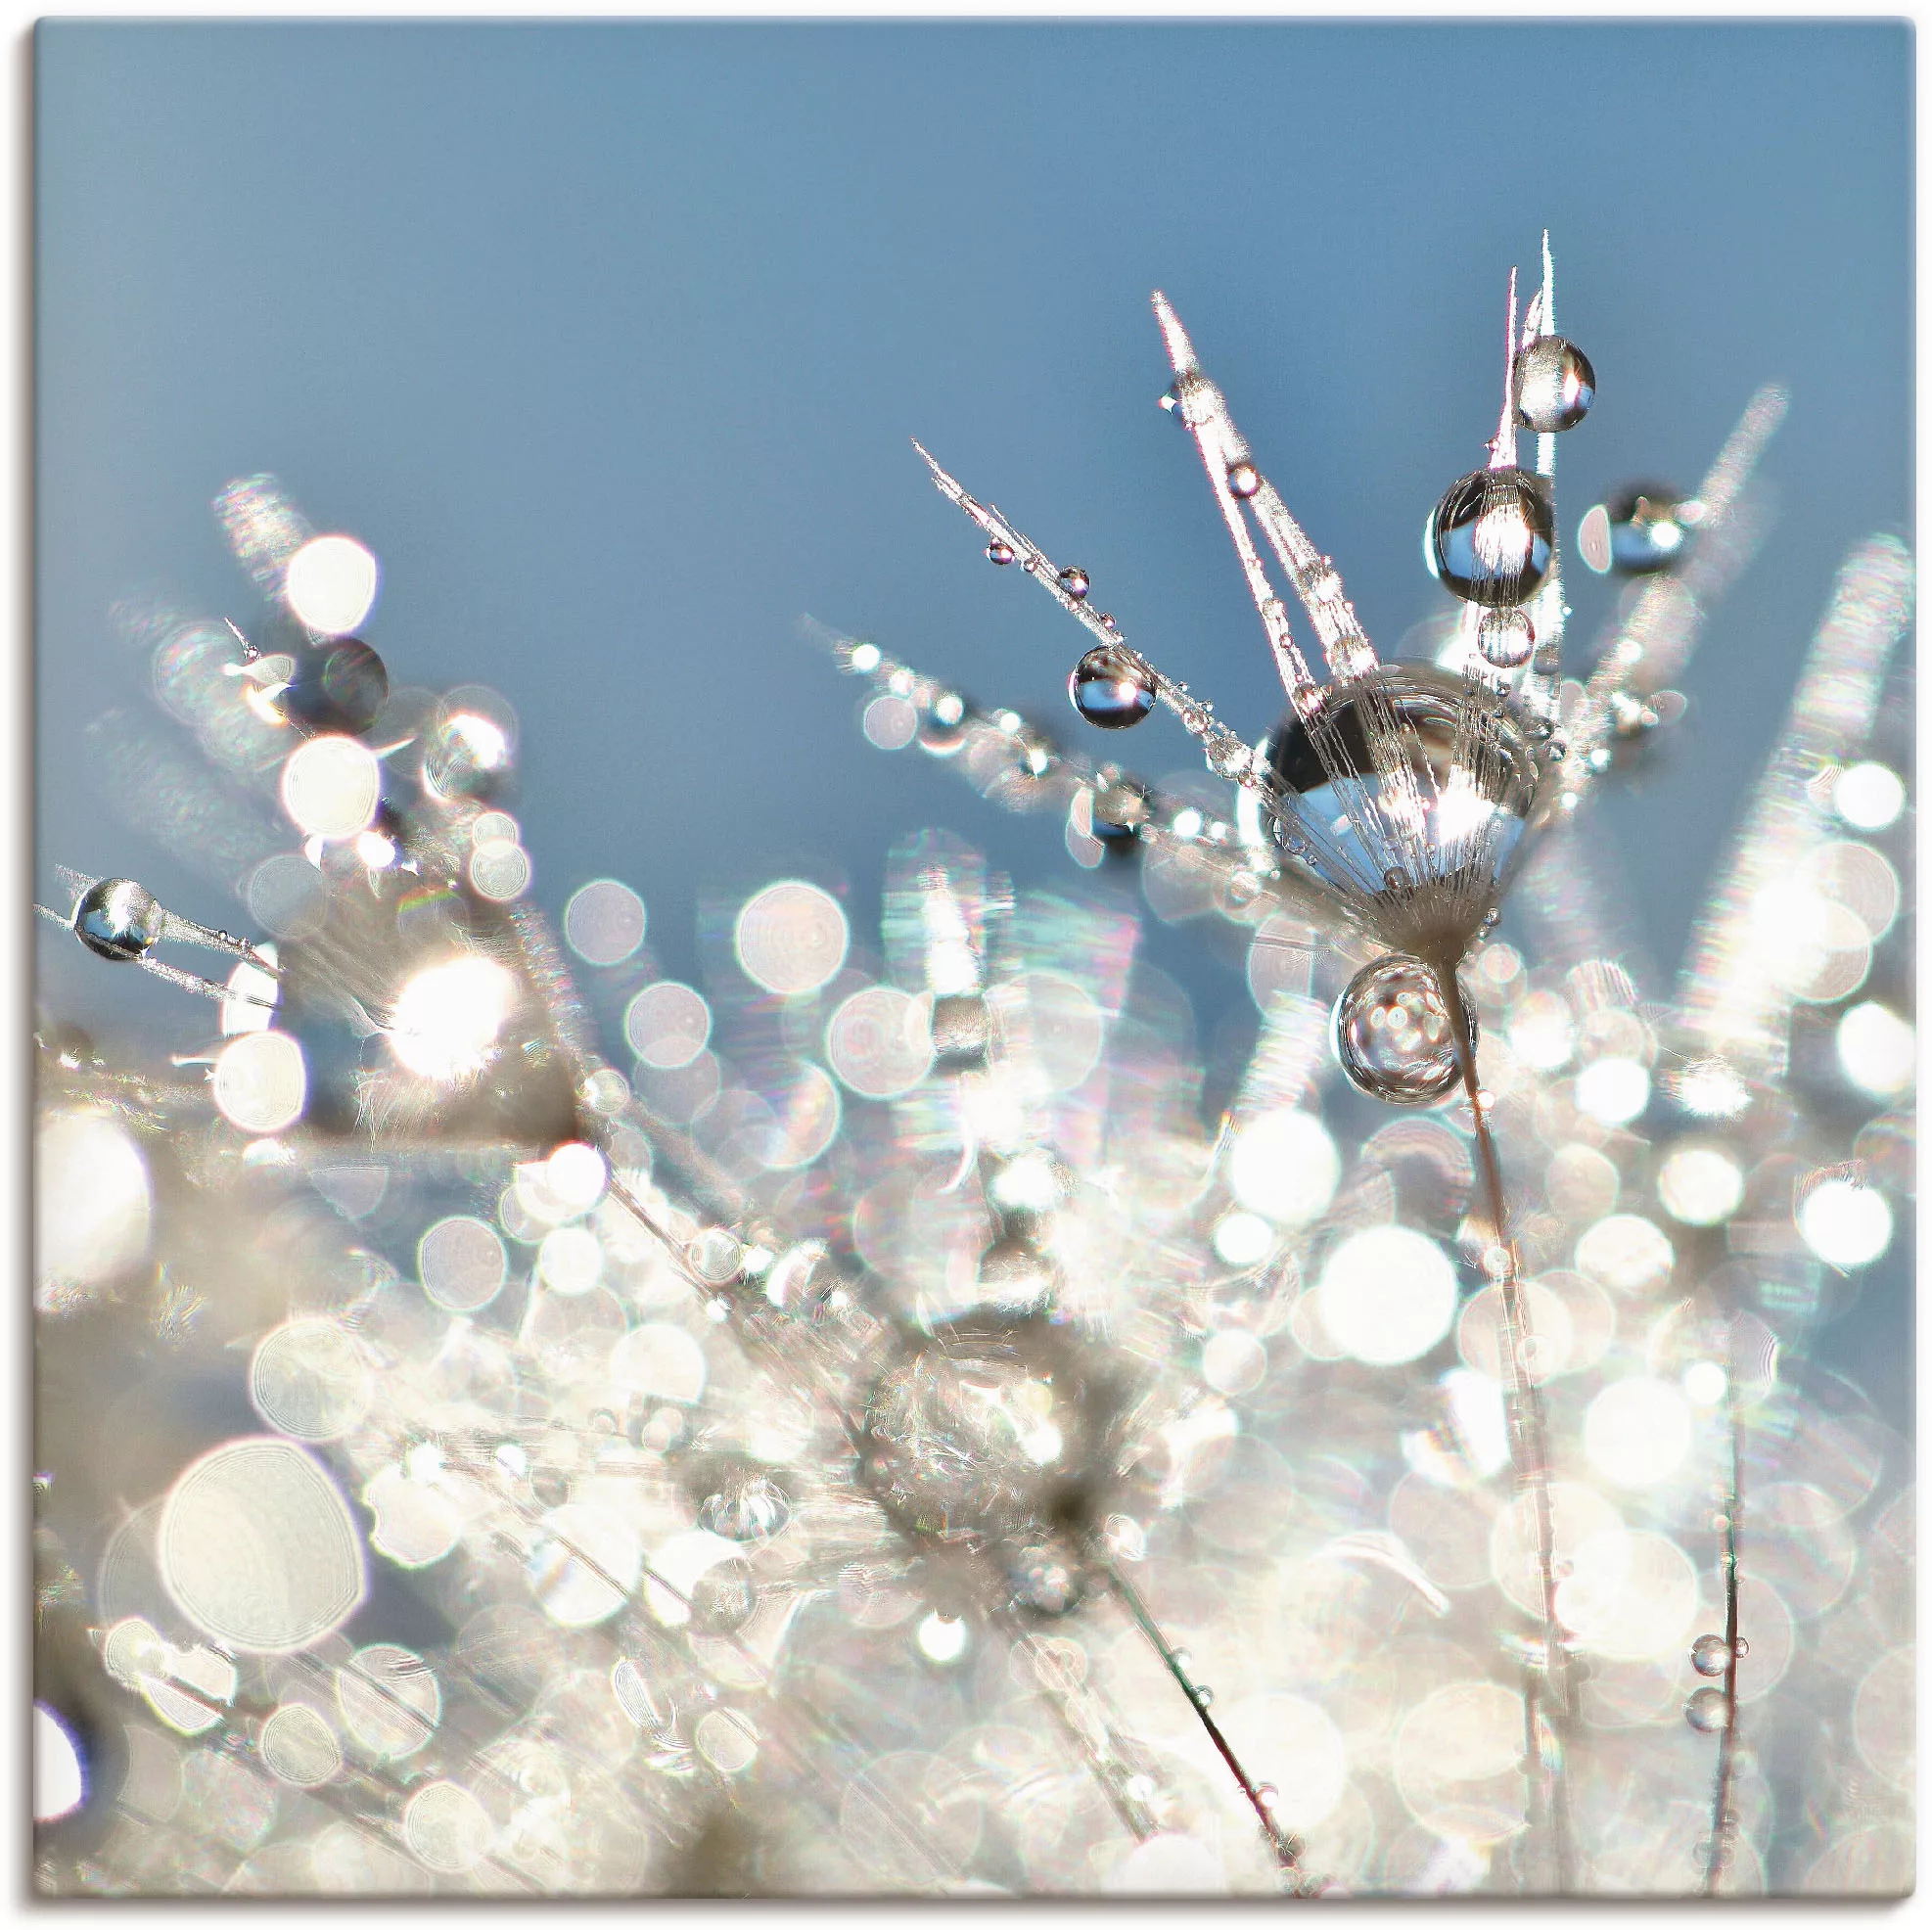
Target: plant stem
1286, 1846
1546, 1693
1720, 1826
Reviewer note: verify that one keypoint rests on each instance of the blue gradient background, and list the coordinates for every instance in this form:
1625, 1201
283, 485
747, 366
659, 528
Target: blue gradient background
608, 338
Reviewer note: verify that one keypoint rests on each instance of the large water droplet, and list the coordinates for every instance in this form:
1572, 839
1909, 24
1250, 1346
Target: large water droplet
1707, 1712
999, 552
1392, 1033
1243, 478
1489, 537
1074, 581
1555, 384
1474, 775
986, 1429
337, 687
117, 919
1111, 688
1505, 638
1708, 1655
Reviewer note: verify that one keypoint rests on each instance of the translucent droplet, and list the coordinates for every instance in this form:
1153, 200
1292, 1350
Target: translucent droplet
999, 552
1072, 580
1707, 1712
1184, 1660
1120, 810
1708, 1655
1555, 384
745, 1507
1203, 1695
1111, 688
337, 687
1743, 1648
1171, 402
1505, 638
1489, 537
1243, 478
962, 1030
1013, 1274
723, 1597
1392, 1033
117, 919
1648, 529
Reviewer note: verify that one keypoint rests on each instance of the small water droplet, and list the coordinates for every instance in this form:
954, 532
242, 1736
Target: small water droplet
1392, 1033
1555, 384
1743, 1648
1489, 537
1647, 527
999, 552
1707, 1712
1109, 687
1171, 402
1243, 478
962, 1030
1184, 1660
340, 685
1203, 1695
1074, 581
1505, 638
1120, 810
1708, 1655
1266, 1794
117, 919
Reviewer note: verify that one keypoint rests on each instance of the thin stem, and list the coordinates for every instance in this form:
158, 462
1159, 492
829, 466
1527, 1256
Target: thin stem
1721, 1819
1286, 1846
1547, 1702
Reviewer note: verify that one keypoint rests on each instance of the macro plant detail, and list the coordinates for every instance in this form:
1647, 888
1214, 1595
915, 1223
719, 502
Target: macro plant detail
892, 1436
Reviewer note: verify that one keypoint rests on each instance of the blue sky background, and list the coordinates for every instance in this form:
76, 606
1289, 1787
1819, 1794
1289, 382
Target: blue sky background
608, 338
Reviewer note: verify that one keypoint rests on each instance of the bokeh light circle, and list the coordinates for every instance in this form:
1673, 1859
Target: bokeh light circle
1387, 1295
257, 1548
791, 937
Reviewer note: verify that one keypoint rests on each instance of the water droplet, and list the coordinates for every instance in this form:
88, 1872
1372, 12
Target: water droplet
999, 552
1072, 580
743, 1505
1203, 1695
962, 1030
1555, 384
1489, 537
985, 1429
117, 919
1707, 1712
1505, 638
1392, 1033
723, 1597
1120, 810
1184, 1660
1743, 1648
1111, 688
1171, 402
1013, 1274
1243, 478
1266, 1794
337, 687
1476, 774
1648, 529
1708, 1655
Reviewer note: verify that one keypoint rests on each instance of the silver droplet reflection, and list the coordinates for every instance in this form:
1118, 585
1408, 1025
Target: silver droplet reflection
1111, 688
1555, 384
117, 919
